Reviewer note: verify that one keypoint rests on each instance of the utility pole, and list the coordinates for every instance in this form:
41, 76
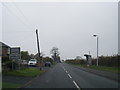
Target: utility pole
40, 67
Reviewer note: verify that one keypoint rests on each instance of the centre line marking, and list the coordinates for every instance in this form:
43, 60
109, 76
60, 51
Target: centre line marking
69, 75
76, 85
63, 68
66, 71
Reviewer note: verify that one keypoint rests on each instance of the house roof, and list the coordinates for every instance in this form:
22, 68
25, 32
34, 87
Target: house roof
4, 45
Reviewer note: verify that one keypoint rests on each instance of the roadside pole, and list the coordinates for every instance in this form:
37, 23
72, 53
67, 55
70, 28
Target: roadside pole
40, 67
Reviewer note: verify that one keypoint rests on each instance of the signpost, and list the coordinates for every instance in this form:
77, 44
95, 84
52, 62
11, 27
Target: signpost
15, 55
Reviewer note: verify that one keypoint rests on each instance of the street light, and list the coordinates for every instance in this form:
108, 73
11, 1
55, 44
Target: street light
97, 47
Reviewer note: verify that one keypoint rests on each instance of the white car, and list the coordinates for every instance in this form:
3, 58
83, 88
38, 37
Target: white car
32, 62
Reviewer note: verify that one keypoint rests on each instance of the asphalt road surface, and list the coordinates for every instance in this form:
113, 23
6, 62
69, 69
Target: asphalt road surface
66, 76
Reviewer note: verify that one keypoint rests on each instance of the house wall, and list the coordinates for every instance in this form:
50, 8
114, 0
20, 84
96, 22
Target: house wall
5, 51
0, 51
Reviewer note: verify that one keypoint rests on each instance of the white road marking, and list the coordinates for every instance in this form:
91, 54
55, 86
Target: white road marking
69, 75
66, 71
76, 85
71, 78
64, 68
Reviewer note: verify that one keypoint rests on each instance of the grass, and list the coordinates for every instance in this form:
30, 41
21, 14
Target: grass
28, 72
102, 68
10, 85
0, 85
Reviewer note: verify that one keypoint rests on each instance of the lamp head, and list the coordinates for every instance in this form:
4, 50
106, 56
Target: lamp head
95, 35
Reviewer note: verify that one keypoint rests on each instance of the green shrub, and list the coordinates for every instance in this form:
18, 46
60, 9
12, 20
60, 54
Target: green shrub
11, 65
76, 61
109, 61
5, 59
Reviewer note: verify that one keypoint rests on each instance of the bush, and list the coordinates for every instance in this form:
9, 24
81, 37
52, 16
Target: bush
8, 64
76, 61
5, 59
110, 61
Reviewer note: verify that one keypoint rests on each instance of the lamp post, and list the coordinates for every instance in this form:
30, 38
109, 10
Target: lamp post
97, 48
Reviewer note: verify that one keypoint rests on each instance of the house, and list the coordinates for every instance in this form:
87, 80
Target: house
4, 50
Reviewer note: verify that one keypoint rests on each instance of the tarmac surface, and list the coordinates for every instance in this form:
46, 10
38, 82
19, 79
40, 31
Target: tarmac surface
63, 75
110, 75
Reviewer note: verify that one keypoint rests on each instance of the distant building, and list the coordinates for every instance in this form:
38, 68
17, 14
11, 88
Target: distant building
4, 50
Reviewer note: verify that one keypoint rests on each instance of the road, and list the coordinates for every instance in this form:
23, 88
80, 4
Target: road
63, 75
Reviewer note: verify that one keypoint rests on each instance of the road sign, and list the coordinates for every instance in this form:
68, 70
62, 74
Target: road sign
15, 53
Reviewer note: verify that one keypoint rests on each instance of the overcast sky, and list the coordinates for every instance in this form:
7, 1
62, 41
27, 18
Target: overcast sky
68, 26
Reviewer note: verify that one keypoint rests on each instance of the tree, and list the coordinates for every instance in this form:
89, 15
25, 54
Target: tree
55, 54
24, 55
48, 59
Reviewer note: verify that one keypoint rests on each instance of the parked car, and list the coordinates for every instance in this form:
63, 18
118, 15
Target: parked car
32, 62
48, 64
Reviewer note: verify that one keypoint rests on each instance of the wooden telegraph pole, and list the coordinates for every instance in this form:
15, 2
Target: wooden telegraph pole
40, 67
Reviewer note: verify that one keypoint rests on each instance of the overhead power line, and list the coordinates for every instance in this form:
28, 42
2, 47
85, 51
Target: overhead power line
10, 11
28, 21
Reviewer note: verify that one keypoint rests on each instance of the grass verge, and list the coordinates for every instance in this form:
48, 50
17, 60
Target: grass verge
28, 72
10, 85
102, 68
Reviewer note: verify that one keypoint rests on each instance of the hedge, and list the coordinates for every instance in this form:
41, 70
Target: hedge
110, 61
